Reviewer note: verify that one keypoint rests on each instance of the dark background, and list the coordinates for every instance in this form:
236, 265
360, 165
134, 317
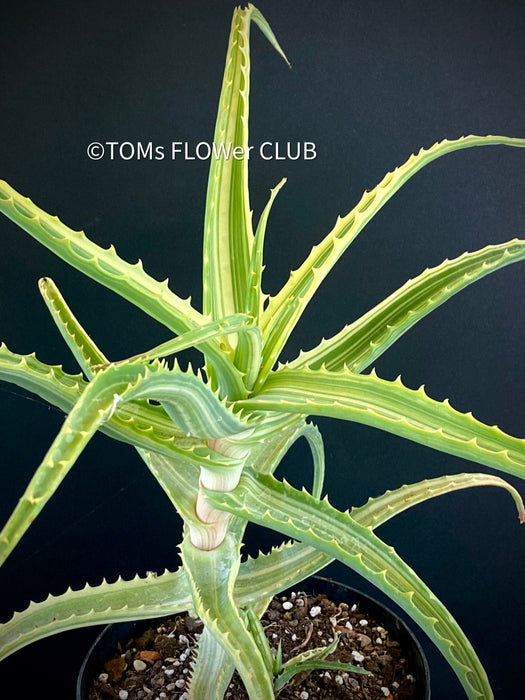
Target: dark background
371, 83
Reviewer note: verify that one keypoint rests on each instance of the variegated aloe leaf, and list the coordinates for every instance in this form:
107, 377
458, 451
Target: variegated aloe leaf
266, 456
212, 575
266, 501
91, 358
315, 441
228, 235
392, 407
254, 295
50, 382
311, 660
213, 669
259, 578
284, 310
240, 324
130, 281
84, 350
294, 666
213, 666
290, 563
247, 352
140, 598
191, 404
248, 356
104, 266
94, 407
48, 617
378, 510
257, 632
142, 425
363, 341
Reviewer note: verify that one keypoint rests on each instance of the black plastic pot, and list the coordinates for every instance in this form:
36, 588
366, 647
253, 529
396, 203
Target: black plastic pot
111, 635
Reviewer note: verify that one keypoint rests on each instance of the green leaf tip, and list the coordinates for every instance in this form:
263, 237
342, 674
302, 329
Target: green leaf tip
263, 25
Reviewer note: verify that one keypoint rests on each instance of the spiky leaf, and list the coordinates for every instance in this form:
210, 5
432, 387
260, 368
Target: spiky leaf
212, 576
285, 309
359, 344
266, 501
392, 407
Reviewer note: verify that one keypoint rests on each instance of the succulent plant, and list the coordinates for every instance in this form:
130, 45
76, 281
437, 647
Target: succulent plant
214, 436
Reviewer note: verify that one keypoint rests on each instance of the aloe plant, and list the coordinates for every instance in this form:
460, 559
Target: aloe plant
213, 437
